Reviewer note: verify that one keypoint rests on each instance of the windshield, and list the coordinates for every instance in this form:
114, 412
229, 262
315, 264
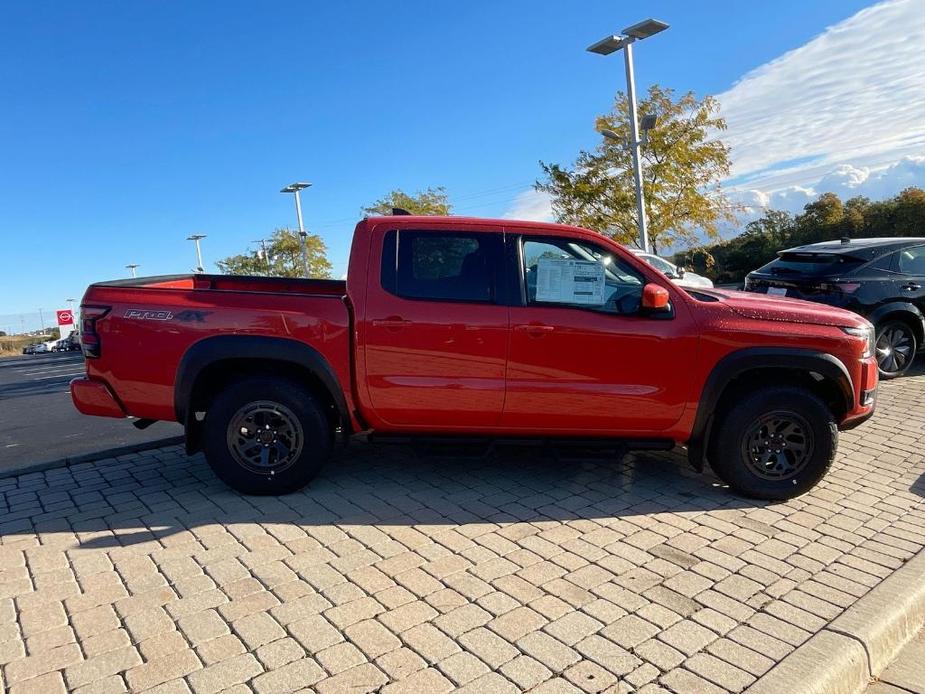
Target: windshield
810, 264
661, 265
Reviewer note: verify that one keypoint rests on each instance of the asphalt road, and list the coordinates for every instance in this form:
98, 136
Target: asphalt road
38, 422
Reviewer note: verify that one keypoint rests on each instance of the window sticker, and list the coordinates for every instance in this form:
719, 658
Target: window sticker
570, 281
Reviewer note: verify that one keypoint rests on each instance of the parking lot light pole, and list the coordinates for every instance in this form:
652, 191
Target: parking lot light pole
132, 266
296, 188
196, 238
625, 41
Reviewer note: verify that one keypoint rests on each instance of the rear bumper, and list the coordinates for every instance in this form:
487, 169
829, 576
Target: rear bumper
95, 398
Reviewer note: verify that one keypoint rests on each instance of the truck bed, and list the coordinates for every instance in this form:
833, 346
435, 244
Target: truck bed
152, 322
234, 283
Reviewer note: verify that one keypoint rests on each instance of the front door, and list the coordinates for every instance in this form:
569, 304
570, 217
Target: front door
584, 359
436, 334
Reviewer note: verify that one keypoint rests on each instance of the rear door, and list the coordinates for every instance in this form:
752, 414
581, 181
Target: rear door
436, 330
910, 282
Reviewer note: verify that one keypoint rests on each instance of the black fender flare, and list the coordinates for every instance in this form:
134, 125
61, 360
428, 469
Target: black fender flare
262, 350
910, 310
741, 361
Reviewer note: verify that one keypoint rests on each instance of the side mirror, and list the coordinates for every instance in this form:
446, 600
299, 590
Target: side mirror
654, 298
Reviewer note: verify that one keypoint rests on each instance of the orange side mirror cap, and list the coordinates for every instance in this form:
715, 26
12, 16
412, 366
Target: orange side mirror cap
655, 297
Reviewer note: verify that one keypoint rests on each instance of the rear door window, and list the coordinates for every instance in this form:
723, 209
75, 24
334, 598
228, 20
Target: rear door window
886, 263
911, 261
441, 266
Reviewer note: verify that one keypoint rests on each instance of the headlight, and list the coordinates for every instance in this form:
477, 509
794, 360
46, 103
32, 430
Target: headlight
868, 334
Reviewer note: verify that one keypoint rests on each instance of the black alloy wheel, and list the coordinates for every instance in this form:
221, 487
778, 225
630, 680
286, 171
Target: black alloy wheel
778, 445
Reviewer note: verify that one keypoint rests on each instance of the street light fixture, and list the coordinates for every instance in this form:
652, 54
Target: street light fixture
295, 189
132, 266
624, 42
645, 28
196, 238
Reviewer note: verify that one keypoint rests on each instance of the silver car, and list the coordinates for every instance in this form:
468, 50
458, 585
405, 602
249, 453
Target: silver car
678, 275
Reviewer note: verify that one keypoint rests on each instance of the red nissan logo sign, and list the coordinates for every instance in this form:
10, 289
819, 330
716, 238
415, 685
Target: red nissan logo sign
65, 317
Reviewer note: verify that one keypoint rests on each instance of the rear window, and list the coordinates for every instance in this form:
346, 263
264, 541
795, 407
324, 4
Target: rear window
440, 266
810, 264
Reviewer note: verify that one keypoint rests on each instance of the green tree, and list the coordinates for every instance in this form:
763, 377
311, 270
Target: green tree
430, 201
825, 219
856, 210
283, 257
683, 164
910, 212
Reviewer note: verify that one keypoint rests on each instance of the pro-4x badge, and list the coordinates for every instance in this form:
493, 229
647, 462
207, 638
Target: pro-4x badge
145, 314
192, 316
187, 316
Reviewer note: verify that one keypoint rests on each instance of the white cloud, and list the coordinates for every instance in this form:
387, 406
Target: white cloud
531, 205
844, 113
845, 180
851, 96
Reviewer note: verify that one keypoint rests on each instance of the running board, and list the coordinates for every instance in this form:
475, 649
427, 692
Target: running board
561, 442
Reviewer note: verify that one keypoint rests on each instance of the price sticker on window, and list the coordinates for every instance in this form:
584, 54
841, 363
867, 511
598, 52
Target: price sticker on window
568, 281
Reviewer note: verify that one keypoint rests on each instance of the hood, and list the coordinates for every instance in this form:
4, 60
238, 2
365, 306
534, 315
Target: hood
779, 308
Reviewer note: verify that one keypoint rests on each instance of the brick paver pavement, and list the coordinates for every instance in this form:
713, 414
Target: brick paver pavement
400, 573
906, 674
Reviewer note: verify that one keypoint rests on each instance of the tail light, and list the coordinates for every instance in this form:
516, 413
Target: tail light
89, 337
843, 287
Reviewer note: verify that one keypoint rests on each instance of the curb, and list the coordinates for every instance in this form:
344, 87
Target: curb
857, 645
92, 457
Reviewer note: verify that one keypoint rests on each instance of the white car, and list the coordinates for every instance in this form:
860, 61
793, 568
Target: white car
678, 275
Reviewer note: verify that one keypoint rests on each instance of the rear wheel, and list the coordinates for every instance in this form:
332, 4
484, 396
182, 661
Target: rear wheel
266, 436
896, 347
776, 443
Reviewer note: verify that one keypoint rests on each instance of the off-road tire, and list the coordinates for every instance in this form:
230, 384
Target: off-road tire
287, 415
756, 470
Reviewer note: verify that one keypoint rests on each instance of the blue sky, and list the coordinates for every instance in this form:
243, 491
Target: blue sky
126, 127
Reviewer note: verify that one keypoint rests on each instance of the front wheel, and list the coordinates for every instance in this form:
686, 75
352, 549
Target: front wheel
776, 443
266, 435
895, 348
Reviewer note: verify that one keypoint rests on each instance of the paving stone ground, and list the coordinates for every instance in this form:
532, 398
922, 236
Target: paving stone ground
395, 572
906, 674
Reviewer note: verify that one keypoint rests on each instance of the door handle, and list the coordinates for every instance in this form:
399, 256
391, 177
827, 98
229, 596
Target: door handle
535, 329
390, 323
911, 286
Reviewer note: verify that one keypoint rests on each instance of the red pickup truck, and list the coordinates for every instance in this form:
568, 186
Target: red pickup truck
460, 327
